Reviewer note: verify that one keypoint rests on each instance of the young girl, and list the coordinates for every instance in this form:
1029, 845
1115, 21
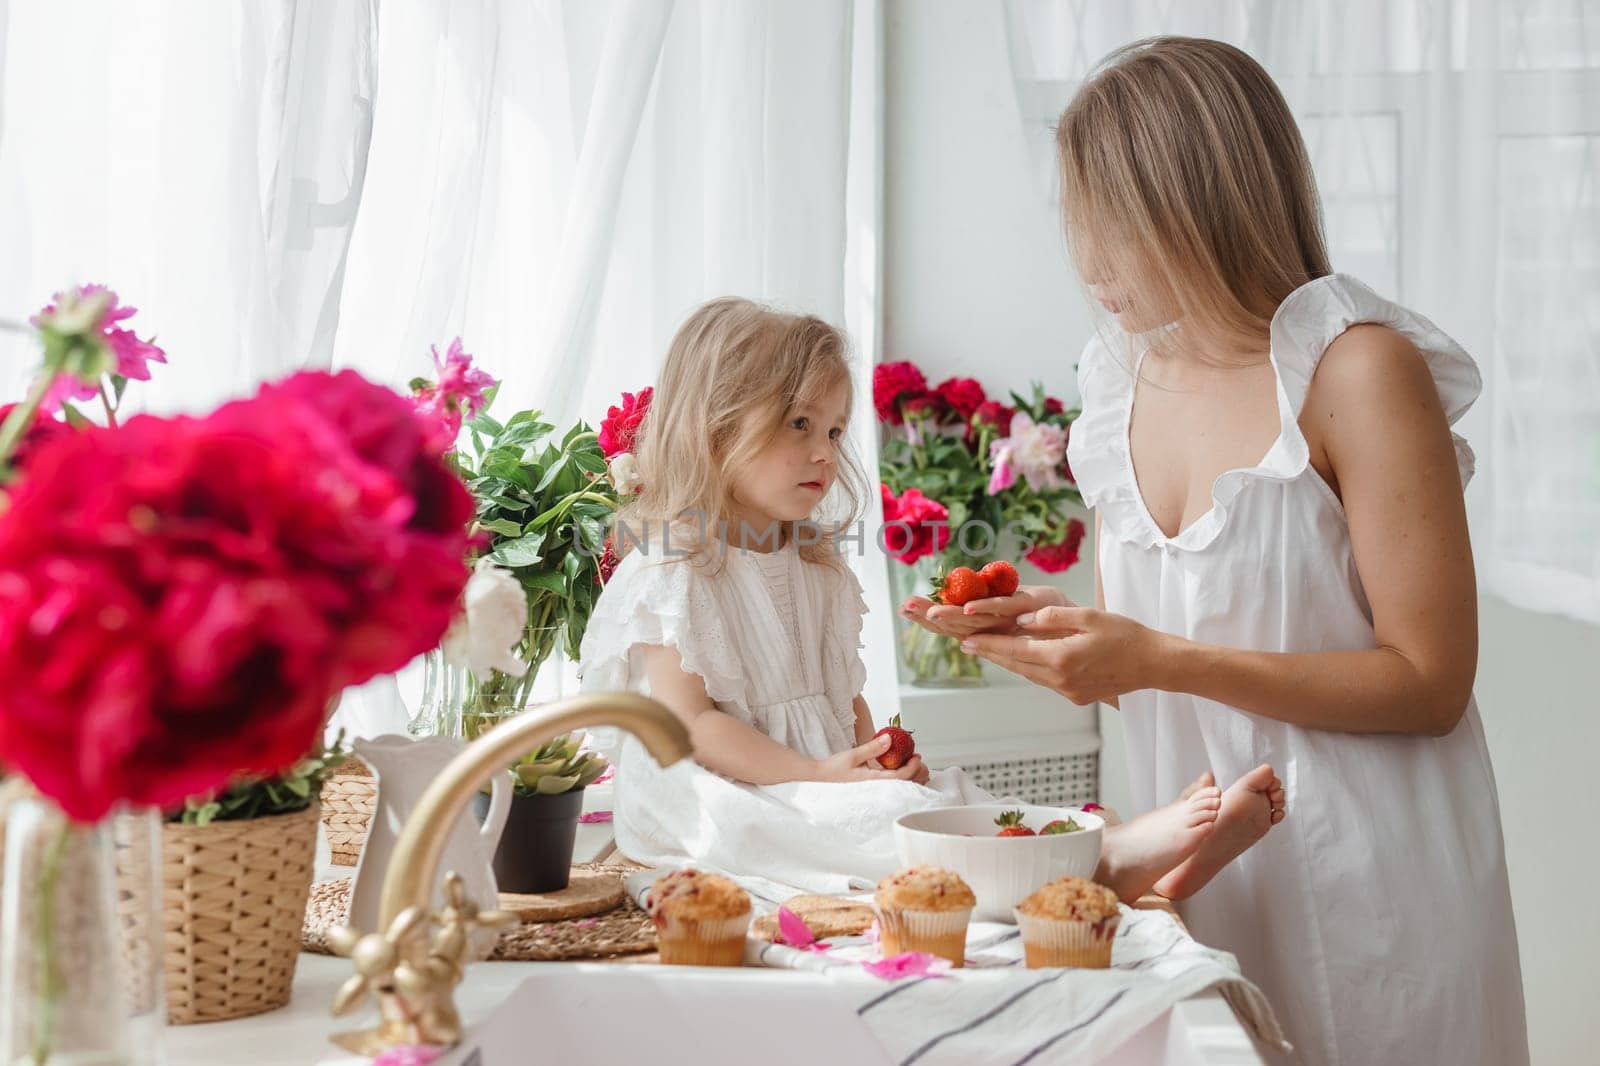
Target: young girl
1282, 540
737, 611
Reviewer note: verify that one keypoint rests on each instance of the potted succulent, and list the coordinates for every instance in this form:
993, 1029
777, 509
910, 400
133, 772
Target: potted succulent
535, 852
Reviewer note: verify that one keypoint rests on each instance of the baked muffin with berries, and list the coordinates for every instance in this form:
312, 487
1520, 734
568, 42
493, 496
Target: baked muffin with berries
701, 918
924, 908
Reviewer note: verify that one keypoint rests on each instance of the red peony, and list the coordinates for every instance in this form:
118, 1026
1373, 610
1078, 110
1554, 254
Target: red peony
43, 430
906, 532
622, 423
608, 562
928, 405
964, 395
1054, 558
1053, 406
892, 382
181, 598
995, 414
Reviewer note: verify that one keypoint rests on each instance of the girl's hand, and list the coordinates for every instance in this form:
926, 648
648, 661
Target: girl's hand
997, 614
861, 764
1084, 654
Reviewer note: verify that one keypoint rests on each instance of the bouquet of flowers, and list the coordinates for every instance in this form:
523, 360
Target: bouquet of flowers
967, 479
543, 511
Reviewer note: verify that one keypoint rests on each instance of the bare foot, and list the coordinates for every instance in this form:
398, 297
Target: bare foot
1135, 854
1250, 806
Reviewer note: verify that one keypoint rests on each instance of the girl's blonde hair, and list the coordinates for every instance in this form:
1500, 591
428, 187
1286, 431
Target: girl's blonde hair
1184, 177
734, 374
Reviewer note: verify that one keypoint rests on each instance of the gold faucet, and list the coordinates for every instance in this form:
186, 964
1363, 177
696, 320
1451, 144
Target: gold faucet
412, 975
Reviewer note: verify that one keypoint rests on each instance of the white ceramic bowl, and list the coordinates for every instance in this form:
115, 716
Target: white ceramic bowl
1002, 871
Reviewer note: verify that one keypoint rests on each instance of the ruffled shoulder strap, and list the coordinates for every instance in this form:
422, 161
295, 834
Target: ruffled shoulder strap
666, 601
1317, 313
1097, 446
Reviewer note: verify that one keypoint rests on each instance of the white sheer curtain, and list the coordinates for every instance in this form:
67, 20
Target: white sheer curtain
558, 182
1457, 147
205, 160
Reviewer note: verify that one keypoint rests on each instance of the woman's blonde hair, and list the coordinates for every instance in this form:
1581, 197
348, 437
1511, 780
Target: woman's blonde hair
1184, 177
734, 374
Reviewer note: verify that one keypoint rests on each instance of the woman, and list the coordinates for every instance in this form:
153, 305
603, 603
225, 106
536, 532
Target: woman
1283, 564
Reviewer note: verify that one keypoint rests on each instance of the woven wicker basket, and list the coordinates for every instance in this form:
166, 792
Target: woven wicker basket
348, 799
233, 901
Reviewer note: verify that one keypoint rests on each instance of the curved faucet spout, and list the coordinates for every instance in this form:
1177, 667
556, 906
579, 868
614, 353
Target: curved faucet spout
409, 881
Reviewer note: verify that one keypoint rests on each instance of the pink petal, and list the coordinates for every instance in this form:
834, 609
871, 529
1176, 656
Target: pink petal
410, 1055
872, 932
909, 964
587, 923
593, 817
793, 929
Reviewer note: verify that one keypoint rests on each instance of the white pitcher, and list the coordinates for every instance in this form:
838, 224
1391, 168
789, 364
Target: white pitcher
404, 768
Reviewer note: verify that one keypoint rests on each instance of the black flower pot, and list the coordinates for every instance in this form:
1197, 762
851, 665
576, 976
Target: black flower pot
535, 851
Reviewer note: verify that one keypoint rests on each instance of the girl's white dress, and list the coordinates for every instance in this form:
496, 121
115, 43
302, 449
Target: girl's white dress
1377, 916
776, 640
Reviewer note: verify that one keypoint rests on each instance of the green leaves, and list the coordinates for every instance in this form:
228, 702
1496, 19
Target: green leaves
558, 766
547, 508
254, 797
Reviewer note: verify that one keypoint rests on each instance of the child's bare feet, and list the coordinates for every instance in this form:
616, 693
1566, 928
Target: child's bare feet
1250, 806
1135, 854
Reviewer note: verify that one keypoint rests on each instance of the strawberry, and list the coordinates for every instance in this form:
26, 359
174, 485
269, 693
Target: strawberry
1001, 576
901, 746
1060, 826
959, 586
1010, 824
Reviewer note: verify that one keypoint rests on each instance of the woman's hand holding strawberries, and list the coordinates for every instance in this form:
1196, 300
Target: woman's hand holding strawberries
989, 614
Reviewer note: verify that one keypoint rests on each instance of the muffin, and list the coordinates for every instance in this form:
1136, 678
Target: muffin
1069, 922
700, 919
924, 908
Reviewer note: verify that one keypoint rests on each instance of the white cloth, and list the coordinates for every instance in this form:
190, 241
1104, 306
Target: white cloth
775, 638
995, 1010
1378, 915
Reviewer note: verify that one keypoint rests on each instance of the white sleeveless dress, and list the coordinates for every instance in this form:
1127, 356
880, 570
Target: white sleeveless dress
776, 640
1377, 916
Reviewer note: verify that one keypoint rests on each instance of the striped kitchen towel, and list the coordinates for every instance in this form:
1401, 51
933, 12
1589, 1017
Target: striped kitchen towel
996, 1010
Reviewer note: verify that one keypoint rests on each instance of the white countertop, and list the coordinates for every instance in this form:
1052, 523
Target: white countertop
1198, 1032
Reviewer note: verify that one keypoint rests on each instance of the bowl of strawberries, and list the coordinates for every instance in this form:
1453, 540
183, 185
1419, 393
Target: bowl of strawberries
1003, 851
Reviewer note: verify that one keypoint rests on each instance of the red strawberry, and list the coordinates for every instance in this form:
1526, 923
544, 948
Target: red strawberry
1001, 576
901, 746
959, 586
1010, 824
1060, 826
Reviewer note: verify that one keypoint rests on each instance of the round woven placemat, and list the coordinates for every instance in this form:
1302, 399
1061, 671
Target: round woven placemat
591, 891
622, 930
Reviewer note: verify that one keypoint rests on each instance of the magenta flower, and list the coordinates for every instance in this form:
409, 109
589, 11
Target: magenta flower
908, 964
594, 817
457, 393
123, 353
793, 931
410, 1055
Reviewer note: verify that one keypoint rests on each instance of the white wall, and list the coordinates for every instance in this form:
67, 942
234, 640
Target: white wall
977, 283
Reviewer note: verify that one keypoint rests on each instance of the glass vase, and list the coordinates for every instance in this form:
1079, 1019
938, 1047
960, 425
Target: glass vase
80, 939
455, 703
928, 660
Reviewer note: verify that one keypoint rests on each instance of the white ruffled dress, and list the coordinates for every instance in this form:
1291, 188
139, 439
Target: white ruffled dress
776, 640
1377, 916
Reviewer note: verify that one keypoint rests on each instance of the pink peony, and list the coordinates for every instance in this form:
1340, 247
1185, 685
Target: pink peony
1034, 450
457, 393
621, 424
964, 395
892, 382
181, 598
1054, 558
129, 357
907, 533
